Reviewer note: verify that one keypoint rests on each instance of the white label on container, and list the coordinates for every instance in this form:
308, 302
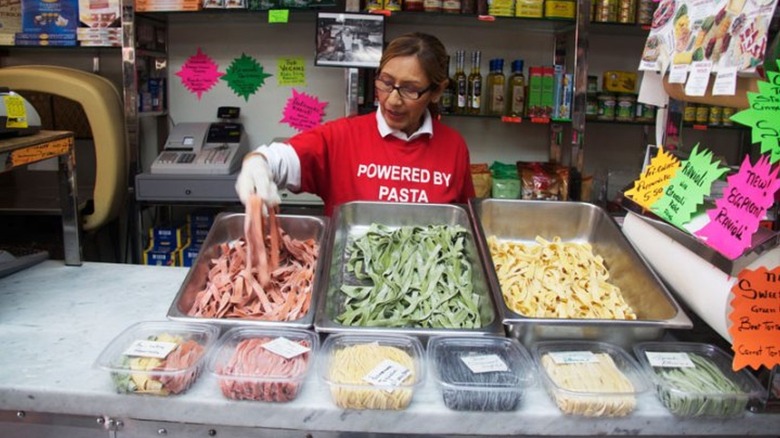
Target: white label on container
565, 357
669, 360
156, 349
484, 363
387, 373
286, 348
678, 73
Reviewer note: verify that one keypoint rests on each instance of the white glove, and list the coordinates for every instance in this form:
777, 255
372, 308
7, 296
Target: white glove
256, 178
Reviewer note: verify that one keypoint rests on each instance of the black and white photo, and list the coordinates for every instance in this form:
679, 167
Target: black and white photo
349, 40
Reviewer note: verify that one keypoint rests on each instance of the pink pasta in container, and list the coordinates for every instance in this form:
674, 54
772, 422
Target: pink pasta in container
263, 364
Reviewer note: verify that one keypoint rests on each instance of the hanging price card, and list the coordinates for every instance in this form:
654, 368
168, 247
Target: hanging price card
736, 216
654, 179
687, 189
245, 76
755, 318
763, 115
199, 73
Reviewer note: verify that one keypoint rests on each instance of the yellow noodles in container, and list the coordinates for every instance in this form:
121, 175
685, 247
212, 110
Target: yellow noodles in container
591, 379
372, 371
556, 279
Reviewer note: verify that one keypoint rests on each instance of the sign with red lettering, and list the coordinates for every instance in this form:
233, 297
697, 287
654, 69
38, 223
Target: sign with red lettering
755, 318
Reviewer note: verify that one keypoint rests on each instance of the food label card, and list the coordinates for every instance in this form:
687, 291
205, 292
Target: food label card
484, 363
388, 373
669, 360
569, 357
155, 349
286, 348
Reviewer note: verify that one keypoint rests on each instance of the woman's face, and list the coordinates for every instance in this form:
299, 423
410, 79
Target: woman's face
404, 113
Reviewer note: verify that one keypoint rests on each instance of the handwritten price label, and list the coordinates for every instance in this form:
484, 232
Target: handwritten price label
199, 73
764, 115
651, 183
245, 76
303, 112
755, 319
291, 71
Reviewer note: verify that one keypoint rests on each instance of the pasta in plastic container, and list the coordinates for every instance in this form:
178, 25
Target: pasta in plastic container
157, 357
486, 373
367, 371
695, 379
263, 364
589, 378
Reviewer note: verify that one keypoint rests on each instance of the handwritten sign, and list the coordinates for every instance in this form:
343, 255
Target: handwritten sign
755, 318
41, 152
199, 73
764, 115
687, 189
303, 112
736, 216
291, 71
245, 76
653, 180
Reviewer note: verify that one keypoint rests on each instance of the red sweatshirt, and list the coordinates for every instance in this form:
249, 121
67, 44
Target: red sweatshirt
347, 160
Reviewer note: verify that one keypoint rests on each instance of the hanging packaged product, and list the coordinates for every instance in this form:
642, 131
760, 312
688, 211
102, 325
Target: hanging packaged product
560, 9
606, 107
624, 110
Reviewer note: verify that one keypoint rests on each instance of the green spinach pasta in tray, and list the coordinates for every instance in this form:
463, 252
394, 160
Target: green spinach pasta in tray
410, 276
693, 379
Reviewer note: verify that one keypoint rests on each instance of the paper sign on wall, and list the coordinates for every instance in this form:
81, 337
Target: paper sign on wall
245, 76
755, 318
303, 111
653, 180
199, 73
687, 189
763, 115
291, 71
736, 216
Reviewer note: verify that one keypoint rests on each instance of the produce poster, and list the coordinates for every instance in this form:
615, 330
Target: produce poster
728, 33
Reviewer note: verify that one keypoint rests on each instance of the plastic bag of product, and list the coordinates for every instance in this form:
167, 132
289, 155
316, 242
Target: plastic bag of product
483, 180
543, 181
506, 181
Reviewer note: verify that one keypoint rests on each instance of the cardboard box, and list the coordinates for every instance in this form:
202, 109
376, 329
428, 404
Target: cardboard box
10, 20
100, 14
167, 5
619, 81
534, 97
50, 16
548, 90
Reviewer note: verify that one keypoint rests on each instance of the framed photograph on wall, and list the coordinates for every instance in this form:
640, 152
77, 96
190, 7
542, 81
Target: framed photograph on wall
349, 40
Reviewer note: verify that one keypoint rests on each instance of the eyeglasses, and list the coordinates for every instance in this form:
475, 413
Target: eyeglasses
405, 92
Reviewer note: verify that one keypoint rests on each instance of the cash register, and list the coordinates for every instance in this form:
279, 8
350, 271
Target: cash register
204, 148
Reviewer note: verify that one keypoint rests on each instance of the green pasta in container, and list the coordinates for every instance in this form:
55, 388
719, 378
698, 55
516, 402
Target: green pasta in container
694, 380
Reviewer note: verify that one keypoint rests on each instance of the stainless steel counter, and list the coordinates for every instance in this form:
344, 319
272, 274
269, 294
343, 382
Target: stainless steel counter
55, 320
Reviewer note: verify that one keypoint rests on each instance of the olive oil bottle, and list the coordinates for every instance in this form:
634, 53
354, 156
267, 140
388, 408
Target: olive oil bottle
461, 83
475, 85
516, 107
496, 86
448, 95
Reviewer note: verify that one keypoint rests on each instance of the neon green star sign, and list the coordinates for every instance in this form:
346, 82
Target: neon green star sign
245, 76
764, 115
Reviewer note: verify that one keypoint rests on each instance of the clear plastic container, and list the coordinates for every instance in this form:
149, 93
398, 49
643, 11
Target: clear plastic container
696, 379
372, 371
485, 373
157, 357
589, 378
247, 367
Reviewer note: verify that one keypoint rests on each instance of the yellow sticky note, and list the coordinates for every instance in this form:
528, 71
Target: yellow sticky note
654, 179
291, 71
15, 112
278, 15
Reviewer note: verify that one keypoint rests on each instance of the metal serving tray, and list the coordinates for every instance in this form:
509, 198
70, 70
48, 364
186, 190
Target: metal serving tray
228, 227
352, 220
521, 221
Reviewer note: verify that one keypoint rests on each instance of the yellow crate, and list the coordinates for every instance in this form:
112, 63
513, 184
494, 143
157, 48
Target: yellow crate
560, 8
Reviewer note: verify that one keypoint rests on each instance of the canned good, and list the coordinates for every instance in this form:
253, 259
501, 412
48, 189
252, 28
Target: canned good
715, 115
726, 116
645, 11
625, 107
702, 114
591, 107
644, 112
606, 106
605, 11
626, 12
393, 5
689, 113
593, 84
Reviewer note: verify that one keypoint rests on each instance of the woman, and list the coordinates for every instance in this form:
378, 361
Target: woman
400, 153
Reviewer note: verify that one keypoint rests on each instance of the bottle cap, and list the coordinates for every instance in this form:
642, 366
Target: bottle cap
517, 65
500, 64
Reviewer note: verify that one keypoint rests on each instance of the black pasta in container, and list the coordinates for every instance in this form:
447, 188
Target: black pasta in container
486, 373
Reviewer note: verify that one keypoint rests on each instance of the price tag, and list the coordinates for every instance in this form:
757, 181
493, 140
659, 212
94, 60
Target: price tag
725, 82
278, 15
155, 349
286, 348
388, 373
669, 360
16, 115
484, 363
699, 78
678, 74
568, 357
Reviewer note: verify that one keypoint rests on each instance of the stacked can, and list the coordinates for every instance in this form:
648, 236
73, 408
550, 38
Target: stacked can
605, 11
645, 11
626, 11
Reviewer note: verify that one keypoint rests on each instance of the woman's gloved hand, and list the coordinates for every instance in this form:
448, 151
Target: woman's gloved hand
256, 178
